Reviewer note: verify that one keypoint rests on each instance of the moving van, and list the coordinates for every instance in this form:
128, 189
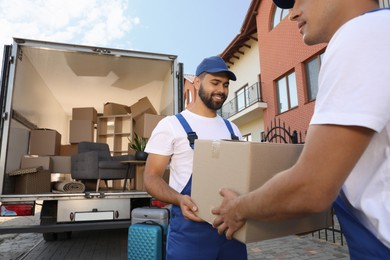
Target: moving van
42, 85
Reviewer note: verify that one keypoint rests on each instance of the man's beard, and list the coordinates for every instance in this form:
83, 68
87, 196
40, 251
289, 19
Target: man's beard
208, 100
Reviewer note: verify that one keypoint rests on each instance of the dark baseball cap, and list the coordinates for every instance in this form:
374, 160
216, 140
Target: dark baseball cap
284, 4
214, 64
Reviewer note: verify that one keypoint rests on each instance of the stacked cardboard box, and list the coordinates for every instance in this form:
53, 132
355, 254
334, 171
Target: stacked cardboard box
145, 124
142, 106
111, 109
81, 127
44, 142
84, 113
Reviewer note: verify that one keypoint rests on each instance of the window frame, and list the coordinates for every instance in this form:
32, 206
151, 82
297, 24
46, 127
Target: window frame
288, 93
244, 91
308, 85
278, 15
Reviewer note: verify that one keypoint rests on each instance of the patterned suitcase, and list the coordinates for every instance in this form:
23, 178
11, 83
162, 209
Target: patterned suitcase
145, 241
146, 225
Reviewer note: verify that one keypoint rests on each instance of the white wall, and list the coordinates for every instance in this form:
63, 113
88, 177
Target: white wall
247, 68
254, 128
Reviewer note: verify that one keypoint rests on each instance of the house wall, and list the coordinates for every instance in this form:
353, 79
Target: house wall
282, 50
255, 127
246, 68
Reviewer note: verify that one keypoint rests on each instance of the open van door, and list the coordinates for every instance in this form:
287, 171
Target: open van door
4, 116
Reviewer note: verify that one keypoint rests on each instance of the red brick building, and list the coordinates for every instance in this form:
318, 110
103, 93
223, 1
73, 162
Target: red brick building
283, 54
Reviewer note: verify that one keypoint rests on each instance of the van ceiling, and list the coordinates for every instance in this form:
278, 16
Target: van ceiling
84, 79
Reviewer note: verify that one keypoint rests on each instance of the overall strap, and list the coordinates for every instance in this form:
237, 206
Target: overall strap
191, 135
229, 126
361, 242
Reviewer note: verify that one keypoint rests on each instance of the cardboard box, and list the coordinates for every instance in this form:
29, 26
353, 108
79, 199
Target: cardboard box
142, 106
68, 149
112, 109
61, 164
84, 113
81, 130
54, 177
44, 142
32, 180
36, 161
243, 167
145, 124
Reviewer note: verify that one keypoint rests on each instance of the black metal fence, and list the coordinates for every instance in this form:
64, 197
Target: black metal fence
278, 132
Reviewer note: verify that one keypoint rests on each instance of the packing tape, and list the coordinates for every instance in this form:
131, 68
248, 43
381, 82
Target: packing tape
215, 148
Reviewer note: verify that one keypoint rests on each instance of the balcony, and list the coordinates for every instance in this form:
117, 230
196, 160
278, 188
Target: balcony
245, 106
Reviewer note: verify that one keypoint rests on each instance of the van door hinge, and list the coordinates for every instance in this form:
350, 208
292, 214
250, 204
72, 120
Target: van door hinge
4, 116
11, 59
101, 51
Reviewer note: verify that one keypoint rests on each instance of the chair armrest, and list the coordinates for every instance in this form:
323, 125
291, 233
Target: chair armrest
84, 166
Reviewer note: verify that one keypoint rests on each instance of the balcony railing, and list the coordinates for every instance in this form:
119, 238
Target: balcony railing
384, 3
250, 96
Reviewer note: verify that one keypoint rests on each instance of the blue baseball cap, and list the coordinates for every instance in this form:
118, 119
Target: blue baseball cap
284, 4
214, 64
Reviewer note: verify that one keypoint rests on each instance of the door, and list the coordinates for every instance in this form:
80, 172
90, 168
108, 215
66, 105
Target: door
4, 81
5, 100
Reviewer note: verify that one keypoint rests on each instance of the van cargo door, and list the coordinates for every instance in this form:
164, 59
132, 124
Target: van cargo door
180, 87
4, 87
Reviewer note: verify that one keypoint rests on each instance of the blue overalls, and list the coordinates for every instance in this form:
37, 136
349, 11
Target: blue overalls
191, 240
362, 244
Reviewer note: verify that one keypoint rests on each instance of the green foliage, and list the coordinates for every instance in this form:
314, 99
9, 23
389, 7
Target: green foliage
138, 143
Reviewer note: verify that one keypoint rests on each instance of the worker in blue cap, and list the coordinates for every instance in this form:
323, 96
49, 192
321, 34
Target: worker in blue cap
171, 145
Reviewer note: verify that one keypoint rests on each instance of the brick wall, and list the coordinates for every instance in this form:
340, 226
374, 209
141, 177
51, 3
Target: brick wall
282, 50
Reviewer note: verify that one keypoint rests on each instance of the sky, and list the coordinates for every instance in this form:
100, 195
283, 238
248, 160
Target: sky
190, 29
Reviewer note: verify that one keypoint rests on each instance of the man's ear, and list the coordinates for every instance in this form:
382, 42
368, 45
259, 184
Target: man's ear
197, 83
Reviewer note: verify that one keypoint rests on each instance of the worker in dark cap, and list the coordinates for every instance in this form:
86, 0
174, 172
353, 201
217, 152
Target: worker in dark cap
345, 162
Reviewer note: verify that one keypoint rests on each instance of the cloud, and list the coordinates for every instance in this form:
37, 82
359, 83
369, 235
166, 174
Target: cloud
89, 22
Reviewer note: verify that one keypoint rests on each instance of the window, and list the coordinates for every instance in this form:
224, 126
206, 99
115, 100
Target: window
286, 90
240, 94
312, 72
243, 98
384, 3
279, 15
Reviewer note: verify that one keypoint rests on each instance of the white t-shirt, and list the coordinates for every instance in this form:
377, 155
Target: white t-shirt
170, 138
354, 89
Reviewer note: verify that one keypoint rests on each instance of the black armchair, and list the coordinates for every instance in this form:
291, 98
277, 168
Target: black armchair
94, 162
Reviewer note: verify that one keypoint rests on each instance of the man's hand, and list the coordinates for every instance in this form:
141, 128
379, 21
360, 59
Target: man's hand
228, 220
188, 208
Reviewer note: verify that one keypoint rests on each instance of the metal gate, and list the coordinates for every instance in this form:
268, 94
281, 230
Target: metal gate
278, 132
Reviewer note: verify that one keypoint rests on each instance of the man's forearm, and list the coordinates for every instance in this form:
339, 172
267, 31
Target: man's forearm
280, 198
159, 189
